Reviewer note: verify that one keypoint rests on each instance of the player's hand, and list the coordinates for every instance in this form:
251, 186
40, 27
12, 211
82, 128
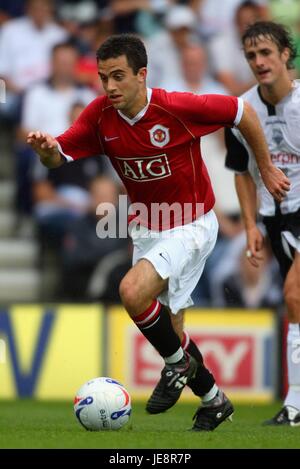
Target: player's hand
276, 182
46, 146
255, 241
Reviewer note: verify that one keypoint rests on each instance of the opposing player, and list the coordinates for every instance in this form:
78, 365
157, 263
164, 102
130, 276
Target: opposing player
276, 99
153, 141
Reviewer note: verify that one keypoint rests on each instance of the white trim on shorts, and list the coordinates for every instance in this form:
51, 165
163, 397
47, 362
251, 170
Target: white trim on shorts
178, 254
288, 239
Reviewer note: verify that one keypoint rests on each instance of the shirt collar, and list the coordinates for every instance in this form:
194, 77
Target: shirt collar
139, 114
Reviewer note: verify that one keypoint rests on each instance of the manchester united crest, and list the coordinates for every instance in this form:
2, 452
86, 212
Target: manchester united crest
159, 135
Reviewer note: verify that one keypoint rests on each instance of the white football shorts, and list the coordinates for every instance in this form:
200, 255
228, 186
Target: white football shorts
178, 254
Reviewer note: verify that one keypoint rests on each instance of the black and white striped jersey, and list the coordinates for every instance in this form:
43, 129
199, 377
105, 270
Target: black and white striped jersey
281, 125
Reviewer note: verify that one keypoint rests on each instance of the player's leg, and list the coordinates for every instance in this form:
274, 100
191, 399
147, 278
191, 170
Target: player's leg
186, 342
202, 384
215, 407
203, 381
292, 301
186, 257
290, 270
139, 290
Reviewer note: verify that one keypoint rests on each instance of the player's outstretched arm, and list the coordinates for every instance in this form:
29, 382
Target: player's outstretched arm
274, 179
246, 191
46, 147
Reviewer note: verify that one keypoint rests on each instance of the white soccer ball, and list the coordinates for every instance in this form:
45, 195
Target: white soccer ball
102, 404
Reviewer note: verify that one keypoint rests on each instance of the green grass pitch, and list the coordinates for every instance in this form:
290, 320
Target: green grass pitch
32, 424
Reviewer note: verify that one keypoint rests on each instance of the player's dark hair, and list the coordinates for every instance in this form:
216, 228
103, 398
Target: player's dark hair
275, 32
124, 44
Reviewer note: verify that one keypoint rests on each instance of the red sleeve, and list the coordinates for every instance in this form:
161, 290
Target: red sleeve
206, 113
82, 138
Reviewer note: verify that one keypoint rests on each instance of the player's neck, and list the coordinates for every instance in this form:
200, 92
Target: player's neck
139, 103
274, 93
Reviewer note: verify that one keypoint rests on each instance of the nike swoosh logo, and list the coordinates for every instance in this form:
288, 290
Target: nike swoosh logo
109, 139
163, 257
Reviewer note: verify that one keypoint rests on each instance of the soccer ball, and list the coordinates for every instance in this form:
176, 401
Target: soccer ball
102, 404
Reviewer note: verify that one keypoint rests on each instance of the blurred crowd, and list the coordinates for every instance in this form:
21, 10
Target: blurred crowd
47, 60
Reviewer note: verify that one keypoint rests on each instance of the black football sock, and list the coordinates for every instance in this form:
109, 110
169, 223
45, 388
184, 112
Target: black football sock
155, 324
203, 381
193, 350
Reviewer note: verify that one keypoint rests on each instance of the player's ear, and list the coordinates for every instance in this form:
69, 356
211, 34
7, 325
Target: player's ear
285, 54
142, 74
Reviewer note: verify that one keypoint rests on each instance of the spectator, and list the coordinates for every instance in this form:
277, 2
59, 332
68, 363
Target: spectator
81, 20
88, 24
165, 47
25, 51
227, 58
92, 267
92, 34
217, 17
194, 76
62, 195
57, 95
125, 14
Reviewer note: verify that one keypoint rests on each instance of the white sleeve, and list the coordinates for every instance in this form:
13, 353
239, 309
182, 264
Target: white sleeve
68, 158
240, 111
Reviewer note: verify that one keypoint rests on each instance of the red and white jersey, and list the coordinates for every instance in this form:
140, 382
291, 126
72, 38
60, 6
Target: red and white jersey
157, 153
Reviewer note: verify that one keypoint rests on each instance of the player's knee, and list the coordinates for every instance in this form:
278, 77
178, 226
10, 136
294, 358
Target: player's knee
129, 292
125, 290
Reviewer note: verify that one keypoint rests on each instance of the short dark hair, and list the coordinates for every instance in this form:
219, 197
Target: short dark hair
124, 44
275, 32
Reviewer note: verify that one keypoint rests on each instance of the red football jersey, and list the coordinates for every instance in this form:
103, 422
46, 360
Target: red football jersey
157, 153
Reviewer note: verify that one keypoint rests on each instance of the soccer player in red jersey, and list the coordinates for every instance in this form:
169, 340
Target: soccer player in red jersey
152, 138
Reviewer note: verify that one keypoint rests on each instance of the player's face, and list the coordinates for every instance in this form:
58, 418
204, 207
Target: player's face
125, 90
266, 61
